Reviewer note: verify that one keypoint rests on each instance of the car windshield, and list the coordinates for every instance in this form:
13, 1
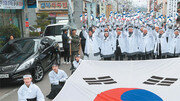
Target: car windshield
19, 46
58, 30
53, 30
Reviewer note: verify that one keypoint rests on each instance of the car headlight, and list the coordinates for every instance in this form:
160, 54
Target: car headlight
26, 64
9, 68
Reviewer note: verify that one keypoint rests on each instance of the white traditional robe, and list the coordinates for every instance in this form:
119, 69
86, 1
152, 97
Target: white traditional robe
121, 40
131, 43
107, 47
164, 45
76, 64
92, 51
172, 46
146, 43
55, 78
177, 46
33, 91
170, 34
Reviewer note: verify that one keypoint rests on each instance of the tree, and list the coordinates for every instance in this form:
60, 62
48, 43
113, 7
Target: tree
42, 21
7, 31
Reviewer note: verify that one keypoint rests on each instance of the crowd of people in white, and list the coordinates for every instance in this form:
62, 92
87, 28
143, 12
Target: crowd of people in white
133, 41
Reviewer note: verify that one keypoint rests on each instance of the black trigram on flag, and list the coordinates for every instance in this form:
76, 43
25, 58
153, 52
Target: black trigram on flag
161, 81
100, 80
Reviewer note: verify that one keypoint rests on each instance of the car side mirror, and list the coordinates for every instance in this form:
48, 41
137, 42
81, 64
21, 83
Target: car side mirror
41, 48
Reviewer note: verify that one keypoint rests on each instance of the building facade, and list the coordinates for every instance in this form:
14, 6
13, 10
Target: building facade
56, 9
172, 8
109, 8
11, 12
165, 10
102, 7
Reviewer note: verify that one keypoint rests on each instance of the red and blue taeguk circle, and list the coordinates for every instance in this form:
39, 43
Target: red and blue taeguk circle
127, 94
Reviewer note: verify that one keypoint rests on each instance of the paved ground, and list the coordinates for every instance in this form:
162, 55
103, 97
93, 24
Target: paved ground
9, 93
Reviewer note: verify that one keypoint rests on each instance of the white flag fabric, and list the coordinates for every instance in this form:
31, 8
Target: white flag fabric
149, 80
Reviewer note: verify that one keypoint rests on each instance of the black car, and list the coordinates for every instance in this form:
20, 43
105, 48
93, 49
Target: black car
27, 55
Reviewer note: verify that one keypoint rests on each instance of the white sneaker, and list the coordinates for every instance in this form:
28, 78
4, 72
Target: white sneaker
69, 62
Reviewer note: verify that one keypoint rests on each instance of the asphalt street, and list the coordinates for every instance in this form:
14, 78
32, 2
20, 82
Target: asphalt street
9, 93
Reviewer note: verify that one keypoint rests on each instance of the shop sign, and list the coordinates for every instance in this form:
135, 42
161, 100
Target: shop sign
11, 4
53, 5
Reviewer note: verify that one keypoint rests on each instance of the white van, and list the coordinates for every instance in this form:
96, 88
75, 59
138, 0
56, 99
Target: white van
54, 32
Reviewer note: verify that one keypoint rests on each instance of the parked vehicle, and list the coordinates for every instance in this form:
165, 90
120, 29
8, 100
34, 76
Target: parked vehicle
27, 55
54, 31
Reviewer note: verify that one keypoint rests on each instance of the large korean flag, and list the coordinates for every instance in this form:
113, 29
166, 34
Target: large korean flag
151, 80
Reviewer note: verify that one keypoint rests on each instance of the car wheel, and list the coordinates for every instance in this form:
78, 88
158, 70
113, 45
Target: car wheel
38, 73
58, 60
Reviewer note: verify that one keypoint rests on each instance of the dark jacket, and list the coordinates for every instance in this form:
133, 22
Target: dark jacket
83, 40
65, 39
75, 43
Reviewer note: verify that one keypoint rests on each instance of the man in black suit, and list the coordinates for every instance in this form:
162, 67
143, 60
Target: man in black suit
66, 46
83, 40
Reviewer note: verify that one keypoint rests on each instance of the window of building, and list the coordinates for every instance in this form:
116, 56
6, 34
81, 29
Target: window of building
10, 16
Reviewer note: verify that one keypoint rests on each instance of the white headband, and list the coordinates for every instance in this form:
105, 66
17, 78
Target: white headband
27, 76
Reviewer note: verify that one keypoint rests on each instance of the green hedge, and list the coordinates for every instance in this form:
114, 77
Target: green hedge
10, 30
34, 34
1, 43
7, 31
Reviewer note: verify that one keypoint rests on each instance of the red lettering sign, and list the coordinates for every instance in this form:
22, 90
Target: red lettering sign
65, 5
59, 5
53, 5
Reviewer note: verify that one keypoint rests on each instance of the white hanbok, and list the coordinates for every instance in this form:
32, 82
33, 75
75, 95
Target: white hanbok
107, 47
131, 43
76, 64
164, 45
92, 51
31, 92
55, 78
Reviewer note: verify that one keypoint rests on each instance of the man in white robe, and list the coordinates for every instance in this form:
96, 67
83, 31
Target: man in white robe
92, 51
145, 45
131, 43
177, 43
119, 44
107, 46
174, 45
57, 79
161, 46
29, 91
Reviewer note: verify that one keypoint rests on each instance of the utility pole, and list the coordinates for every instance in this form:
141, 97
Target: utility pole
70, 16
88, 5
24, 20
78, 8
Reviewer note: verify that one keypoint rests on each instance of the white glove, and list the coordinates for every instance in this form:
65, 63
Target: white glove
70, 37
69, 42
63, 80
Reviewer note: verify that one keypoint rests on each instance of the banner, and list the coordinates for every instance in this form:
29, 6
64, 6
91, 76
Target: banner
150, 80
11, 4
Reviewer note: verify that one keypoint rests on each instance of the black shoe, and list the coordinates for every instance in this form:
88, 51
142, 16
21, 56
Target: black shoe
72, 68
49, 97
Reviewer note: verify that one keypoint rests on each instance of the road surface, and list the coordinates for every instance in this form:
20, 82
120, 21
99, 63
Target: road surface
9, 93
